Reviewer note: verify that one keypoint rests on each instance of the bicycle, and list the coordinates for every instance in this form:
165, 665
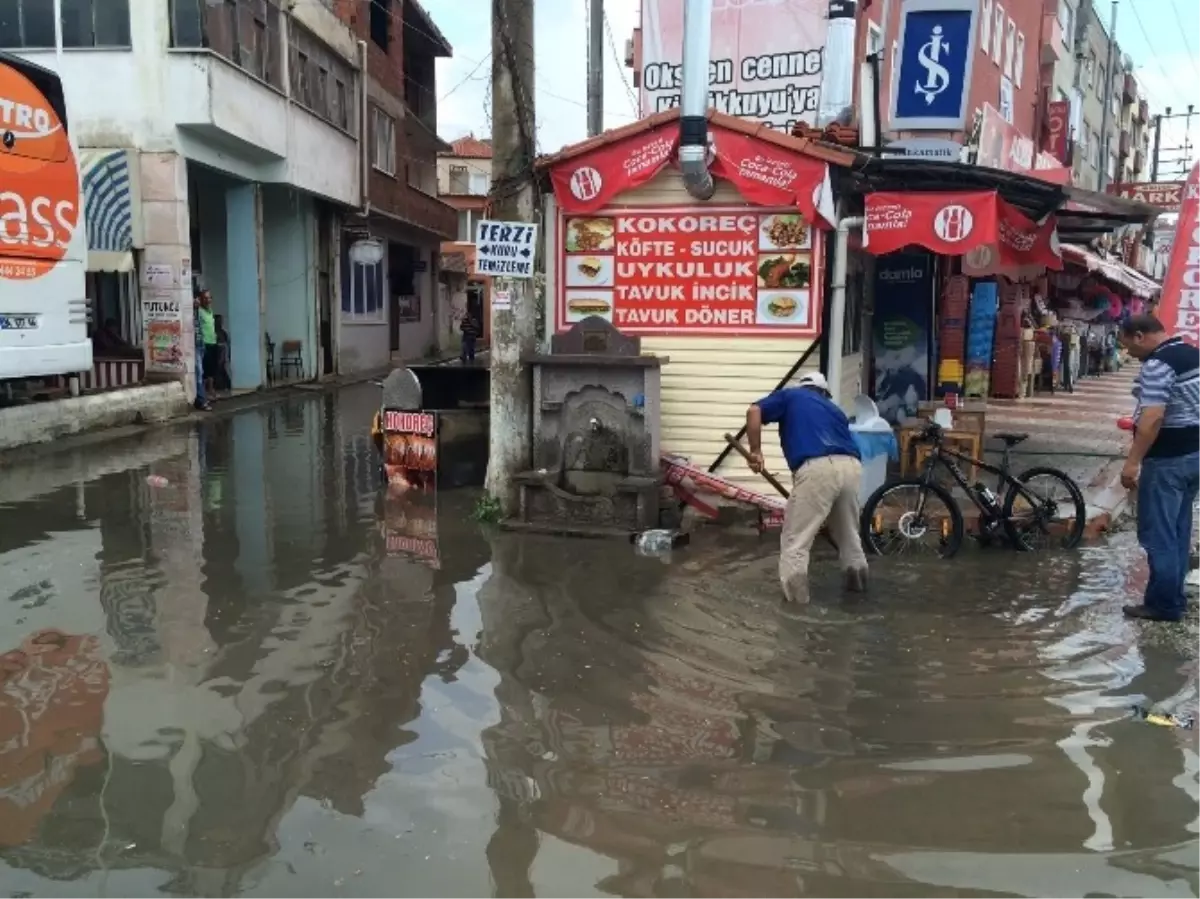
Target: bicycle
1025, 514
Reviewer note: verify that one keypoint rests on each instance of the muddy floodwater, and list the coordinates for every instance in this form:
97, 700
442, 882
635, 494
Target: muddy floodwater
220, 677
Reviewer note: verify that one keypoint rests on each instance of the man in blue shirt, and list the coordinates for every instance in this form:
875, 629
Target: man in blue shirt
826, 471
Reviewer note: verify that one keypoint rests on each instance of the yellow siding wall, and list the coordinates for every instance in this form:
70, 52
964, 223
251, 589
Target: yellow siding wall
710, 381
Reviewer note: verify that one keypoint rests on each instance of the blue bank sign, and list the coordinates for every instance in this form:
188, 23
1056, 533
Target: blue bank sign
936, 55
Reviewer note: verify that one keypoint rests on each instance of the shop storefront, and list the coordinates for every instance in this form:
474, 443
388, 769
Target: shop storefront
732, 290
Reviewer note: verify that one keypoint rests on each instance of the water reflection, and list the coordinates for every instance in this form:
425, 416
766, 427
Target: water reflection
241, 684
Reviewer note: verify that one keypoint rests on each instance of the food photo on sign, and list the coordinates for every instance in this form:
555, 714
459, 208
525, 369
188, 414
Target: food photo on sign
410, 455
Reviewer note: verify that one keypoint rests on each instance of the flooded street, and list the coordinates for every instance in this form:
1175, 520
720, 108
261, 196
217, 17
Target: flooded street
226, 686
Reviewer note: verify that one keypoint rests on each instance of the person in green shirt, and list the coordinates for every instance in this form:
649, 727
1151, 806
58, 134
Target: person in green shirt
208, 336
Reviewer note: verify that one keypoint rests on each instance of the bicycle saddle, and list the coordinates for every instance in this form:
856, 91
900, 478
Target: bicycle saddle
1011, 439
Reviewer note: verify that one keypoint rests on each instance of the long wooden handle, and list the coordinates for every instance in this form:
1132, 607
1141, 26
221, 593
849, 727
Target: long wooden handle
745, 454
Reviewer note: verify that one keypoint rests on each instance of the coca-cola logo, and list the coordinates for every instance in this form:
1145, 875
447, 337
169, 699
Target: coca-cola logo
586, 183
953, 223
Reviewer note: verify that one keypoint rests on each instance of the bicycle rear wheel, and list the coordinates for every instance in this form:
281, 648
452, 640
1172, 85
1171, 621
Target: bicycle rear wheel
901, 516
1045, 509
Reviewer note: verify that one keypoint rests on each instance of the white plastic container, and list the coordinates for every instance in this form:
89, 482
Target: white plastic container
875, 441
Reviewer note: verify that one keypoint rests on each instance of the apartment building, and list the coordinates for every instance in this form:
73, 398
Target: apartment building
464, 174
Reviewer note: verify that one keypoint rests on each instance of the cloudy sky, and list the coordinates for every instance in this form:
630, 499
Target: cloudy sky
561, 43
1168, 67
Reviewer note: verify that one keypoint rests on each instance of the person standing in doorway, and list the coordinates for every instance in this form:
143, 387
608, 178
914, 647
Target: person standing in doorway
208, 334
201, 401
470, 334
826, 472
1164, 462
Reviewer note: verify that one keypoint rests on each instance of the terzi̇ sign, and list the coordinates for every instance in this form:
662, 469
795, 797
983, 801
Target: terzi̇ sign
767, 58
936, 56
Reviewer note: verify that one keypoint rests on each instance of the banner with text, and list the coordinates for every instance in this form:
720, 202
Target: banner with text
720, 270
1179, 308
766, 59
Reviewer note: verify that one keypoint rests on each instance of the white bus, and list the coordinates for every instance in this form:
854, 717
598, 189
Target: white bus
43, 240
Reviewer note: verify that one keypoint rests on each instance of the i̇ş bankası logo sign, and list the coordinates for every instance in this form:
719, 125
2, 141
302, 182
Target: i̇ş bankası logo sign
39, 180
766, 63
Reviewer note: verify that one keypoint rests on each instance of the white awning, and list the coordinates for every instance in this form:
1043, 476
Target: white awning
110, 261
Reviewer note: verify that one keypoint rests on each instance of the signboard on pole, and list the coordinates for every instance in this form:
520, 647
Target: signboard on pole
505, 249
934, 64
1165, 194
1057, 140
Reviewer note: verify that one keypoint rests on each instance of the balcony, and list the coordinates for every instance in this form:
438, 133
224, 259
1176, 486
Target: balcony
224, 75
1142, 114
1125, 144
1139, 161
1129, 93
1053, 47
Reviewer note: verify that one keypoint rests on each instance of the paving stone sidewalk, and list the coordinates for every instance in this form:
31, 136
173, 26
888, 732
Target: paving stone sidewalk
1077, 433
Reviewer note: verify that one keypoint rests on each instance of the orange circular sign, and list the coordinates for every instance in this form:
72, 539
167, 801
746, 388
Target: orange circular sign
39, 181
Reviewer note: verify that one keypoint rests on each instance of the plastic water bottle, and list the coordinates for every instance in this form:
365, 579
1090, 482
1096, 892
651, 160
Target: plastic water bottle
654, 542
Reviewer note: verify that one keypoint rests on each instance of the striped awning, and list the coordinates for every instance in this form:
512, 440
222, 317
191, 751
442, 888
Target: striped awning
109, 207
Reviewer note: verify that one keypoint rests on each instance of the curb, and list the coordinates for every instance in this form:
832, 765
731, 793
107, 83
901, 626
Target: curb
1108, 498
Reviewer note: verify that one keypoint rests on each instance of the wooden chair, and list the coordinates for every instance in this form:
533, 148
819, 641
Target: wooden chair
291, 357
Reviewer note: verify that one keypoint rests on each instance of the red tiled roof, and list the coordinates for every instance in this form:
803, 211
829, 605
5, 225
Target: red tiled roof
470, 147
818, 150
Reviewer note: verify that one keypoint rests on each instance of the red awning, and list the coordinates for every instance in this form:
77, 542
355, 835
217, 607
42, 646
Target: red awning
763, 172
995, 236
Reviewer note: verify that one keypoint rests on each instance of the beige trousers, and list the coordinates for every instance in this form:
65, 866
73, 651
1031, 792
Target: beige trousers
823, 489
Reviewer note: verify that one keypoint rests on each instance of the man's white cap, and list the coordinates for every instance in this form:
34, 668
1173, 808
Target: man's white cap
814, 379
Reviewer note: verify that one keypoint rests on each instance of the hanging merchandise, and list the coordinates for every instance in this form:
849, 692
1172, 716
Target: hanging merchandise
981, 323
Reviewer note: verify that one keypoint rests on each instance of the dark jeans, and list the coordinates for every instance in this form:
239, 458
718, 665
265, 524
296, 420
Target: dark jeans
1166, 498
468, 349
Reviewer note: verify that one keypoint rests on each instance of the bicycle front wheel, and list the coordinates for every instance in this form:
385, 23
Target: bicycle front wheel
910, 516
1044, 509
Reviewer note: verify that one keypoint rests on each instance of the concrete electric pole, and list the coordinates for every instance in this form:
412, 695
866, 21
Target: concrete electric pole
595, 61
513, 199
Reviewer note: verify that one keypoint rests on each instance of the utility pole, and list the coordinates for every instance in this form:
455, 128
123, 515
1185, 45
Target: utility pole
1104, 115
595, 61
513, 199
1157, 138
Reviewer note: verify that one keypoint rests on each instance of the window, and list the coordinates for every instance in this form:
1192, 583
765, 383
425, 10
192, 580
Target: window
1094, 150
422, 175
479, 184
1089, 68
1101, 81
27, 24
383, 141
1066, 22
1112, 166
460, 179
245, 32
985, 26
1010, 48
998, 33
362, 290
1006, 99
381, 23
874, 39
1019, 62
893, 61
319, 78
466, 227
95, 23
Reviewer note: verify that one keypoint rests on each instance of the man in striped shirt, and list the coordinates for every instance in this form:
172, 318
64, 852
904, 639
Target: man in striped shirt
1164, 461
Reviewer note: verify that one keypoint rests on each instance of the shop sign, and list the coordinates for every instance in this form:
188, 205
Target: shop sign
162, 332
932, 148
937, 52
1058, 131
1002, 146
1179, 308
1167, 195
959, 224
766, 59
505, 249
706, 270
409, 450
590, 181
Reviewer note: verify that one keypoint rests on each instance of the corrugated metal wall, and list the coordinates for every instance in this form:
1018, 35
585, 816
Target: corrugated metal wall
710, 381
